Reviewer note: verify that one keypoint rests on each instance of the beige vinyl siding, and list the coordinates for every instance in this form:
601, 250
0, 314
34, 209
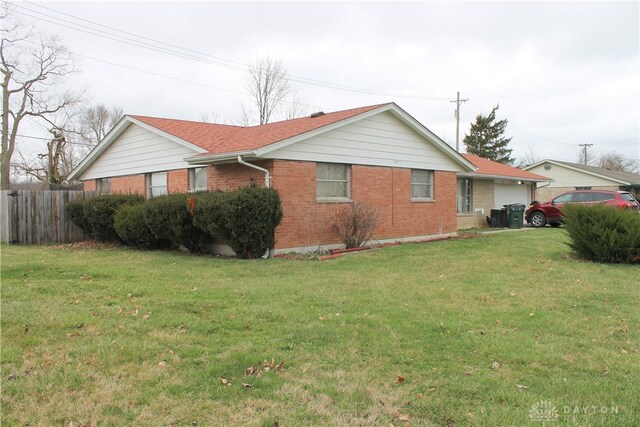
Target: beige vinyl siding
565, 177
380, 140
137, 151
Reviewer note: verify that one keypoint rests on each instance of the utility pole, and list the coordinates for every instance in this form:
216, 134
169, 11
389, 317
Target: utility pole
585, 151
458, 101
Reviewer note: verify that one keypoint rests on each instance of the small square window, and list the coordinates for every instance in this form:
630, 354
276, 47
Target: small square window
198, 179
421, 184
156, 184
332, 181
103, 185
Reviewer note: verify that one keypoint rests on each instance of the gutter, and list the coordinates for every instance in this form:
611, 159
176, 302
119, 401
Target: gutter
267, 177
267, 184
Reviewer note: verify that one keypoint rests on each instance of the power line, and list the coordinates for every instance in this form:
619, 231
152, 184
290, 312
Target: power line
237, 65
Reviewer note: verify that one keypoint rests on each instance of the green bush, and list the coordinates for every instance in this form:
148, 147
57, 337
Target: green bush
169, 218
246, 219
100, 210
131, 227
75, 213
603, 233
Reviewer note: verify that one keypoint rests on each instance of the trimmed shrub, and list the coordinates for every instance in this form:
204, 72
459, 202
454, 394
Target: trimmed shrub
131, 227
99, 211
75, 212
245, 219
169, 218
603, 233
355, 222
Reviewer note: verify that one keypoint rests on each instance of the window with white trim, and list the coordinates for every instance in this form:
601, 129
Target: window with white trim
103, 185
332, 181
465, 196
421, 184
156, 184
198, 179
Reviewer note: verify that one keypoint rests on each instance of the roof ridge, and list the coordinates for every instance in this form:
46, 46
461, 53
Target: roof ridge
365, 107
136, 116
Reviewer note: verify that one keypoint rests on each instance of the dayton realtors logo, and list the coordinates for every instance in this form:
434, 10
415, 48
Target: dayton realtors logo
543, 412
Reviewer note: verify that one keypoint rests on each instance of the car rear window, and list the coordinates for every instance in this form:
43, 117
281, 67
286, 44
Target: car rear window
627, 197
601, 197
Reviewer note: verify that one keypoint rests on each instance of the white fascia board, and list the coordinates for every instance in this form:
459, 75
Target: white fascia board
502, 177
392, 108
218, 158
608, 178
115, 132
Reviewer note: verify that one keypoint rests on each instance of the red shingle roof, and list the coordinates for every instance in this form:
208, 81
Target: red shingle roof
489, 167
219, 139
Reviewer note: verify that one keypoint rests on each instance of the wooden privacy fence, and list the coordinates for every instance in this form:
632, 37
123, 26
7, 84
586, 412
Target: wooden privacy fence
38, 217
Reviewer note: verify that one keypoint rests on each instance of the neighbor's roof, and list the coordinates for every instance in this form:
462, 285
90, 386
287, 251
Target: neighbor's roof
495, 169
627, 177
217, 139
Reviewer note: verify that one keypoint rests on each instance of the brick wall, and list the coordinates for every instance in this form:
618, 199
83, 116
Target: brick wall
178, 181
130, 184
234, 175
306, 222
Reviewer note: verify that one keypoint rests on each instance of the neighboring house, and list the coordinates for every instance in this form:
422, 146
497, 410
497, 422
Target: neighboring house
572, 176
378, 154
492, 186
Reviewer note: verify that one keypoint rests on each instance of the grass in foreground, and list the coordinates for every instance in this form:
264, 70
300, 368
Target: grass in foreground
123, 337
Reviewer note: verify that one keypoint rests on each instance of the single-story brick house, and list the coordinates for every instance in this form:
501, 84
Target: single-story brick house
492, 186
568, 176
378, 154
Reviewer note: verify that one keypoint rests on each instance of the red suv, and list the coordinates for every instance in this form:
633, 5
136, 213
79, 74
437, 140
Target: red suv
550, 213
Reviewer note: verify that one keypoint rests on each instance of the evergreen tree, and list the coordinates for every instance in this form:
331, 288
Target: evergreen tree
486, 139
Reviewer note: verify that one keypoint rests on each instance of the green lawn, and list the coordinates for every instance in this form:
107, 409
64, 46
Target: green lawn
125, 337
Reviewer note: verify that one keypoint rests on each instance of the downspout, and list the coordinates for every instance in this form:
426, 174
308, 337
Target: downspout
267, 184
267, 177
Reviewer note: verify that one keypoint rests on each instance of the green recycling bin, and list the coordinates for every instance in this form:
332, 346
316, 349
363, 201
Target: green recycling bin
515, 215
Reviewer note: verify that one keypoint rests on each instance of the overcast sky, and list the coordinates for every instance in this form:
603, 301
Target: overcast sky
563, 73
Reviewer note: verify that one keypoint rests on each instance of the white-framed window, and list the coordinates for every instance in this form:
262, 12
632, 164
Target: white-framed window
103, 185
332, 181
421, 184
156, 184
198, 179
465, 196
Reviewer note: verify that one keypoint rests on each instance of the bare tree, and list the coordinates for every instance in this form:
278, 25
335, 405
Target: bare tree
617, 162
586, 157
294, 106
75, 132
97, 121
268, 83
32, 65
528, 158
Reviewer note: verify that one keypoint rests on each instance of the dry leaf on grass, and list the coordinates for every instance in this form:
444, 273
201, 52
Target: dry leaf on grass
404, 417
225, 381
400, 379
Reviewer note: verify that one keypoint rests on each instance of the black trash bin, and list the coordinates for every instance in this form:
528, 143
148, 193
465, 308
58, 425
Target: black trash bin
515, 215
499, 218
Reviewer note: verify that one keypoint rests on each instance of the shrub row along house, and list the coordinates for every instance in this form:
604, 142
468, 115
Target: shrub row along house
377, 154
